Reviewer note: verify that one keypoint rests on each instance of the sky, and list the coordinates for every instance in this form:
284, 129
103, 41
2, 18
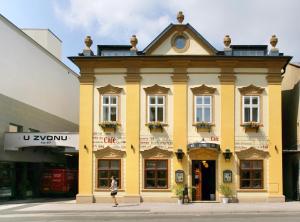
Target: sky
115, 21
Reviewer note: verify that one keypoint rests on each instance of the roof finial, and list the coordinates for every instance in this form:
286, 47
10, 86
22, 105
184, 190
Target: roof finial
227, 41
180, 17
273, 41
133, 42
87, 51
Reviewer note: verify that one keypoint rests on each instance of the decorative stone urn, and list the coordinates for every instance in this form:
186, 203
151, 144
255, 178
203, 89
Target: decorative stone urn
133, 42
273, 41
88, 42
227, 41
180, 17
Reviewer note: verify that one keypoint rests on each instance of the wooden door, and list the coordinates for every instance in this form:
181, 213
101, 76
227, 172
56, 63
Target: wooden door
198, 183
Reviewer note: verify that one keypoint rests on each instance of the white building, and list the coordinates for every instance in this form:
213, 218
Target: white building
38, 94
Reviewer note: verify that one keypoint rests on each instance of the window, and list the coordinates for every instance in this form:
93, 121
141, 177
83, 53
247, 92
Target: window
106, 169
14, 128
251, 174
156, 174
109, 108
203, 109
251, 109
156, 109
180, 42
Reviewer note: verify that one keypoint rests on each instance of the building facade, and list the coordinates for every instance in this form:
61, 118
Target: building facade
291, 132
180, 113
38, 94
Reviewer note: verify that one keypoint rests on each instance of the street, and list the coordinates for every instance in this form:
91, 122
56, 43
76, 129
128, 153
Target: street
68, 210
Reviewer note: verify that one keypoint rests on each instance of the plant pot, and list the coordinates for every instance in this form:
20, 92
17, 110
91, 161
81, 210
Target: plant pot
225, 200
179, 201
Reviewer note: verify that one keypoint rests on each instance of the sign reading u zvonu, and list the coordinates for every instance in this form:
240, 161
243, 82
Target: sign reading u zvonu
14, 141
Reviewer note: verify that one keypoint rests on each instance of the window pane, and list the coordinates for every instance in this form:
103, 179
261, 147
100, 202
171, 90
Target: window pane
160, 114
247, 115
103, 183
256, 184
152, 100
161, 164
150, 174
150, 164
207, 100
113, 100
257, 164
162, 184
255, 100
113, 114
152, 114
161, 174
245, 174
105, 99
245, 183
256, 174
245, 164
206, 114
199, 115
199, 100
103, 164
160, 100
255, 114
105, 113
114, 173
246, 100
150, 183
180, 42
103, 174
114, 164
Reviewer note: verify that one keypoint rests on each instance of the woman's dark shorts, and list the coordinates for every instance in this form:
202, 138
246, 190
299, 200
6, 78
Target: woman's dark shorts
113, 193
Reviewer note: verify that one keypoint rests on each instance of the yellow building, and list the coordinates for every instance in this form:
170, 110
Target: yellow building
178, 113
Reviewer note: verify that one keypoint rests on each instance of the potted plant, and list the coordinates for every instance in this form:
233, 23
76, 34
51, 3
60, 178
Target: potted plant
109, 125
226, 191
251, 125
155, 126
178, 190
203, 126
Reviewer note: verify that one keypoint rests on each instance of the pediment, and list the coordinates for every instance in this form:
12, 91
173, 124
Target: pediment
156, 89
109, 152
252, 153
251, 89
163, 44
203, 89
156, 152
109, 89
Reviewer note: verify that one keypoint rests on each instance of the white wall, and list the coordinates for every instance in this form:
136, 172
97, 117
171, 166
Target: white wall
46, 39
35, 77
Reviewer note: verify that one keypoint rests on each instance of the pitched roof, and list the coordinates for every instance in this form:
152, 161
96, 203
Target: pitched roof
178, 27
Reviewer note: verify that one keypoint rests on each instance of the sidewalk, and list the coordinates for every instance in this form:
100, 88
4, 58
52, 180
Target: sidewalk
159, 208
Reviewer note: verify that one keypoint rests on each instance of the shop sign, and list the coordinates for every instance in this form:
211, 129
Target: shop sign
227, 176
179, 176
112, 140
245, 142
14, 141
148, 142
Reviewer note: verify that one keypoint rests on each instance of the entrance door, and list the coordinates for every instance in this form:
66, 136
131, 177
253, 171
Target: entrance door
203, 180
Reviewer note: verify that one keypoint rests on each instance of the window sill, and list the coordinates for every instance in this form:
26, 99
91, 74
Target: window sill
252, 190
156, 190
206, 127
107, 190
157, 126
109, 127
251, 128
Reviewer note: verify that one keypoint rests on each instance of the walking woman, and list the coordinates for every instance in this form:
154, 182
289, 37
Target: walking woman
114, 190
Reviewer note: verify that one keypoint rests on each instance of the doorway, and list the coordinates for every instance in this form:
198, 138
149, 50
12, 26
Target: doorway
204, 180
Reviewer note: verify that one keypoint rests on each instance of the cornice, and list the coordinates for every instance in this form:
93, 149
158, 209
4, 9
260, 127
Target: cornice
86, 79
274, 79
251, 89
203, 89
227, 78
156, 89
133, 75
109, 89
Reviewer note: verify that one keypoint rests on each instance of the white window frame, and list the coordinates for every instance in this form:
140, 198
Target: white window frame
156, 105
251, 106
109, 105
202, 106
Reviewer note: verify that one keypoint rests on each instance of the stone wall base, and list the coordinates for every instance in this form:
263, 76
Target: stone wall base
82, 199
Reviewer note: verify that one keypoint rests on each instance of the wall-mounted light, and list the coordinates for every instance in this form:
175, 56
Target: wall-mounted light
179, 154
85, 147
227, 154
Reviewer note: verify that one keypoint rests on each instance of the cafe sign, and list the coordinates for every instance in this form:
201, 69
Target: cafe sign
112, 140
